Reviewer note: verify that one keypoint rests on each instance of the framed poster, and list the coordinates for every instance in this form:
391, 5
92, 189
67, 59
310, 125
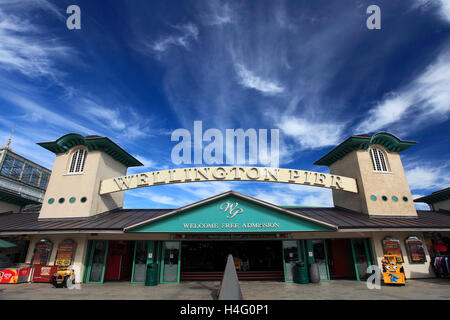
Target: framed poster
41, 253
65, 253
415, 250
391, 246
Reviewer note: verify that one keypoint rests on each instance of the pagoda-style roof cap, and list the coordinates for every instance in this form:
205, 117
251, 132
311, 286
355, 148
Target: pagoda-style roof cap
436, 196
362, 142
68, 141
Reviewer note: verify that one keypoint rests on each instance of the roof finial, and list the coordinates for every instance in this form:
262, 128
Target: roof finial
9, 140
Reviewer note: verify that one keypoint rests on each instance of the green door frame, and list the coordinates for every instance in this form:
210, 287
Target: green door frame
368, 257
300, 257
149, 250
161, 279
86, 259
312, 260
90, 261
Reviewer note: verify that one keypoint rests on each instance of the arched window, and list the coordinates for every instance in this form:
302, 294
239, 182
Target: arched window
378, 160
78, 159
415, 249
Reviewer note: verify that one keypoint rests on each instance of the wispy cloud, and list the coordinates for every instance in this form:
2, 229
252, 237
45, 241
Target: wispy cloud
25, 48
250, 80
217, 13
123, 121
443, 7
427, 97
312, 135
186, 34
427, 177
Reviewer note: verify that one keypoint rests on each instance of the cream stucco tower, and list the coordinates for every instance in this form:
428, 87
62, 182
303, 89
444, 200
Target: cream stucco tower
374, 161
81, 163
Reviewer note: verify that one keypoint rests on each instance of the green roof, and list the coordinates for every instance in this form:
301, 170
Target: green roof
437, 196
93, 143
362, 142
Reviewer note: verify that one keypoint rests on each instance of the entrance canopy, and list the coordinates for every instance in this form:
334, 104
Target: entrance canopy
231, 212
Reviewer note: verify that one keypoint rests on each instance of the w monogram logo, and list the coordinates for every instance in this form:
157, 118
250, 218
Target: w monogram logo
231, 209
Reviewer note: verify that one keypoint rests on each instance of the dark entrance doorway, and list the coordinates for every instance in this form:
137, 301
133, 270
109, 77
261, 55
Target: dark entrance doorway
254, 260
119, 263
340, 259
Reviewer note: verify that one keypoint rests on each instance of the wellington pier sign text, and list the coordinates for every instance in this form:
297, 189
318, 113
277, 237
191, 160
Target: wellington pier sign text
228, 173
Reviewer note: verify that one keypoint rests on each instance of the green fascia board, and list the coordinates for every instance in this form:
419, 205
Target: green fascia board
68, 141
210, 213
385, 139
435, 197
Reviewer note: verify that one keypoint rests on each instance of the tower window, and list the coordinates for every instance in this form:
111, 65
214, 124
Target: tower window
378, 160
77, 163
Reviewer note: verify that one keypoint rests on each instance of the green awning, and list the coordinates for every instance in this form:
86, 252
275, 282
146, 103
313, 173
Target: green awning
6, 244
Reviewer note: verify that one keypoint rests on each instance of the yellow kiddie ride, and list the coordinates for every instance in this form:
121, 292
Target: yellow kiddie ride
62, 276
393, 272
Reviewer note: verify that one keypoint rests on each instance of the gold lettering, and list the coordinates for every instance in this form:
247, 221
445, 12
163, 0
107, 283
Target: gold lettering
142, 179
216, 175
203, 172
187, 175
156, 178
293, 175
171, 176
307, 176
256, 176
273, 173
237, 175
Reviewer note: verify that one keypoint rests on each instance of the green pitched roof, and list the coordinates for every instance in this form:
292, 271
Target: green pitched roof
68, 141
362, 142
437, 196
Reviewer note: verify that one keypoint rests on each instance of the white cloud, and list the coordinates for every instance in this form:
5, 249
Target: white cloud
427, 97
443, 6
422, 177
43, 114
312, 135
123, 121
26, 49
188, 32
249, 80
219, 14
296, 195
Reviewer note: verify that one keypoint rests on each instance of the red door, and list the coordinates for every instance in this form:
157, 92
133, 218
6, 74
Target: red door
113, 266
341, 252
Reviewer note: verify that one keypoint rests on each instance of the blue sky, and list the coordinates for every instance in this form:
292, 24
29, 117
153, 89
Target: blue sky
137, 70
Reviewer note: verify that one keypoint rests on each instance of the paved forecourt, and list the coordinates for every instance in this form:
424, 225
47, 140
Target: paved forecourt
433, 289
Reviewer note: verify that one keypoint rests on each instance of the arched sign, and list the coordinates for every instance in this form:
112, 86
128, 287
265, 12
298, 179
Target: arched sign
228, 173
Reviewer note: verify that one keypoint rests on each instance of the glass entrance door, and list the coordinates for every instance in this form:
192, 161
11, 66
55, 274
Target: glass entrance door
140, 261
171, 262
320, 257
361, 258
96, 269
290, 254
